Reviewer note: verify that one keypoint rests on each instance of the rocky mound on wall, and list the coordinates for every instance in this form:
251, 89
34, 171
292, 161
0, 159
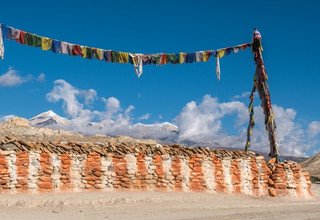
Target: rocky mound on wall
40, 159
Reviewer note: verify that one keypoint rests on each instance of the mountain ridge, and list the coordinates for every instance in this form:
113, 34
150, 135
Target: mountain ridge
48, 119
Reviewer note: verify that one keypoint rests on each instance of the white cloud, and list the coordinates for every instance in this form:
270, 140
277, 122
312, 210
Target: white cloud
112, 104
41, 77
88, 95
69, 96
12, 78
202, 123
242, 95
114, 120
199, 123
144, 117
290, 135
314, 128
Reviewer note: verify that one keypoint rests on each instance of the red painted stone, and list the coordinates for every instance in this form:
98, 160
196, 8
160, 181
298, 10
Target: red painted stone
45, 185
196, 177
280, 185
65, 172
22, 166
45, 164
218, 173
141, 174
44, 178
176, 171
255, 177
120, 168
158, 162
92, 169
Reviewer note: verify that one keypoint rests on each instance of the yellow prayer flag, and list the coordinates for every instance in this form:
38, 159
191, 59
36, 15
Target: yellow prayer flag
123, 57
46, 43
221, 53
182, 57
84, 51
206, 56
99, 53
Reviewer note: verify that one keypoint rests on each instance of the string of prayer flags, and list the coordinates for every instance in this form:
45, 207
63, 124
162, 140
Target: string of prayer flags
137, 59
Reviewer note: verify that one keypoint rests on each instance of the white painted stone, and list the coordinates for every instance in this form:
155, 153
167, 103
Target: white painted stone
226, 164
56, 163
166, 170
148, 163
263, 191
33, 174
77, 165
106, 178
11, 160
208, 174
246, 177
290, 181
304, 186
131, 162
185, 172
148, 158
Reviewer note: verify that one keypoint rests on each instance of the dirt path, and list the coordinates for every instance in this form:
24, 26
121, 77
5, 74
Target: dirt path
155, 205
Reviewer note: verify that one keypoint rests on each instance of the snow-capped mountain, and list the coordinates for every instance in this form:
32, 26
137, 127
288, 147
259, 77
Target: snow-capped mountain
48, 119
164, 126
162, 131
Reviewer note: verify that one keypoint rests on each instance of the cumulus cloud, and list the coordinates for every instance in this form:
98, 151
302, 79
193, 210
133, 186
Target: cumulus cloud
41, 77
12, 78
112, 104
199, 123
144, 117
68, 95
112, 120
242, 95
202, 123
314, 128
88, 95
290, 134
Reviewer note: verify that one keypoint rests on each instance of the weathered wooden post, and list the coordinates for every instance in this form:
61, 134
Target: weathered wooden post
261, 84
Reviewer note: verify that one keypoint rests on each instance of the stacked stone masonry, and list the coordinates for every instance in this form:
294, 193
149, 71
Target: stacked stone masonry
35, 167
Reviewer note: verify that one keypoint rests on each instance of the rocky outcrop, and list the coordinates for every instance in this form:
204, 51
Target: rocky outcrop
312, 165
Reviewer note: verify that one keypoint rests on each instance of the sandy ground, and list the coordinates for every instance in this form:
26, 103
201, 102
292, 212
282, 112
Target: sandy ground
155, 205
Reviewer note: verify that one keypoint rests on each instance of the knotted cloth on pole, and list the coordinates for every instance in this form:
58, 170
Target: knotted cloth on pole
261, 84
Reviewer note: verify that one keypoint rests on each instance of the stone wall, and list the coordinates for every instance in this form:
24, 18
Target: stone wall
40, 170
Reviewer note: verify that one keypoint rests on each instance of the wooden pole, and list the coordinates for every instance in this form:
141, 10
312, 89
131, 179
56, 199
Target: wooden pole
261, 84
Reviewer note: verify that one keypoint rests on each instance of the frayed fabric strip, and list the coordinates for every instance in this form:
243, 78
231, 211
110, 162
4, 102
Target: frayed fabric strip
137, 63
218, 67
1, 44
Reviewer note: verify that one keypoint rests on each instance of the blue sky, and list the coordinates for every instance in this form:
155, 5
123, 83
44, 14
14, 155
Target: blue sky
287, 27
